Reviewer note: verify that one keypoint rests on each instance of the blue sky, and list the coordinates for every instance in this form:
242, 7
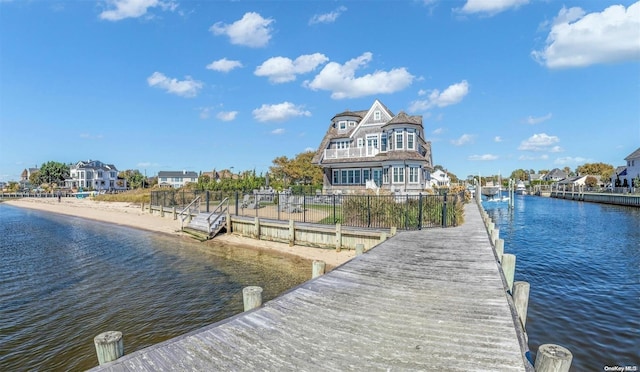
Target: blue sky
201, 85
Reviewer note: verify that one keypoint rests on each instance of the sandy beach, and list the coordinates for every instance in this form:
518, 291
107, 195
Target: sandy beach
128, 214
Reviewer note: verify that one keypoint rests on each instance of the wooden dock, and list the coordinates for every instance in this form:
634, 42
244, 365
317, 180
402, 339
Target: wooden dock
429, 300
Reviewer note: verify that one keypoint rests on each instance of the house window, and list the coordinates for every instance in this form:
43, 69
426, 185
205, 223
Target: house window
99, 174
383, 142
352, 123
365, 175
336, 177
342, 144
360, 142
343, 177
410, 141
342, 125
385, 175
377, 116
398, 175
399, 141
113, 175
413, 174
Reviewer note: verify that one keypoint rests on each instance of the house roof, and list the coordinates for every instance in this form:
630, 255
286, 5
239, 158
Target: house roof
178, 174
633, 155
403, 118
93, 164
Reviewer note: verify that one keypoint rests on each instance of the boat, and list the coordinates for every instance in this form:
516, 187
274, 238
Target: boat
521, 189
490, 191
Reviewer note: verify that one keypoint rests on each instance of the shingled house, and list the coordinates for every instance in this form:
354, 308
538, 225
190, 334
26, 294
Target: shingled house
375, 149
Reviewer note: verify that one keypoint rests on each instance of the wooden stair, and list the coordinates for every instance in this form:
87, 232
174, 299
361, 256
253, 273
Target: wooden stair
205, 226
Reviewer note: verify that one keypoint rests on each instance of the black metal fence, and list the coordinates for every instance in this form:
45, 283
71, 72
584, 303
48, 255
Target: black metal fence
408, 212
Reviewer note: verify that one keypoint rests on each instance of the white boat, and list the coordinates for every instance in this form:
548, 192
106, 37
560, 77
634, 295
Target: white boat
521, 189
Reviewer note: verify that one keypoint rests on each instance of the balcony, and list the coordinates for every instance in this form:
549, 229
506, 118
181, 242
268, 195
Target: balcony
352, 152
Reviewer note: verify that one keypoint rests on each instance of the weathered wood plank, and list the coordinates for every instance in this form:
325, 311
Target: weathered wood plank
423, 300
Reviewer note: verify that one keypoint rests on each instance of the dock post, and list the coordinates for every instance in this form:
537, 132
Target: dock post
495, 234
109, 346
553, 358
383, 236
252, 297
521, 300
499, 249
359, 249
161, 210
338, 237
317, 268
256, 228
175, 214
509, 269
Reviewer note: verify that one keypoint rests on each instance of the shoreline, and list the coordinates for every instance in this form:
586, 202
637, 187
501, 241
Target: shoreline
131, 215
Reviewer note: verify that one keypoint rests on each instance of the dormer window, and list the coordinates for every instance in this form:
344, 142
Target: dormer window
342, 125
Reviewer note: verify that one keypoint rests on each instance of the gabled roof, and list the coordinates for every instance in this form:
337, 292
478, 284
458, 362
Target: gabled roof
633, 155
403, 118
93, 164
178, 174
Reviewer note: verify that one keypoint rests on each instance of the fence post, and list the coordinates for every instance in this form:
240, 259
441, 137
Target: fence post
304, 207
236, 203
256, 228
251, 297
359, 249
368, 210
207, 198
317, 268
420, 212
334, 209
338, 237
444, 211
292, 233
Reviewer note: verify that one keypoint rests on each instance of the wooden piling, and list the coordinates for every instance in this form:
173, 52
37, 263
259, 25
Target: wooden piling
317, 268
521, 300
553, 358
256, 228
109, 346
509, 269
292, 233
338, 237
359, 249
499, 249
495, 235
175, 214
252, 297
162, 211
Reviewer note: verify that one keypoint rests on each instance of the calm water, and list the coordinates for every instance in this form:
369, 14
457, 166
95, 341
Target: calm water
583, 263
64, 280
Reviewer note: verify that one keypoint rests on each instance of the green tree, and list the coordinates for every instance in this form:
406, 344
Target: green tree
591, 181
52, 172
519, 174
13, 186
298, 170
596, 169
134, 178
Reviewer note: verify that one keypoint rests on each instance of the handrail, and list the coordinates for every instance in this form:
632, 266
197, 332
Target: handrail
218, 207
182, 217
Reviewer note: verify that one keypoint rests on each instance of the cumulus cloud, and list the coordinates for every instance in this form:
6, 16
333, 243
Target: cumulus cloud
533, 121
121, 9
497, 139
283, 70
278, 131
450, 96
224, 65
252, 30
279, 112
490, 7
540, 142
227, 115
327, 17
484, 157
463, 140
185, 88
529, 157
578, 39
342, 82
570, 160
438, 131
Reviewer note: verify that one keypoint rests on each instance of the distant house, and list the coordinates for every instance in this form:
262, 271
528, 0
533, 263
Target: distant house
555, 175
624, 176
573, 181
374, 148
535, 177
94, 174
439, 179
24, 176
176, 179
220, 175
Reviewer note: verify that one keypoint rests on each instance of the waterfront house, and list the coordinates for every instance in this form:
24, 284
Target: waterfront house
25, 175
375, 149
94, 174
555, 175
176, 179
439, 179
535, 177
624, 176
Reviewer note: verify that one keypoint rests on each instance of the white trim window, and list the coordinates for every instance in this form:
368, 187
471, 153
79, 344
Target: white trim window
342, 144
360, 142
342, 125
414, 174
411, 141
398, 175
399, 141
383, 142
385, 176
377, 115
347, 176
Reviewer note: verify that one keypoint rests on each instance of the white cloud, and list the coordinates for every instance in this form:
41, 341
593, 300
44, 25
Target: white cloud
279, 112
450, 96
341, 80
122, 9
438, 131
570, 160
227, 115
529, 157
278, 131
497, 139
533, 121
463, 140
327, 17
490, 7
184, 88
282, 69
223, 65
252, 30
578, 39
205, 112
484, 157
539, 142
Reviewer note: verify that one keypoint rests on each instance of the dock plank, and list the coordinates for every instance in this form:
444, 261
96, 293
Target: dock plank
425, 300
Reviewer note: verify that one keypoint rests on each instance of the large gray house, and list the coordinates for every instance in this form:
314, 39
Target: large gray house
375, 148
94, 174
